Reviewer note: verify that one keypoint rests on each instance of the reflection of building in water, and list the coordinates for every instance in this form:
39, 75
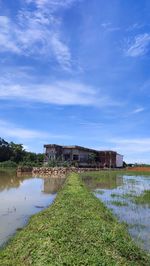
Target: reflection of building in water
119, 180
106, 181
52, 185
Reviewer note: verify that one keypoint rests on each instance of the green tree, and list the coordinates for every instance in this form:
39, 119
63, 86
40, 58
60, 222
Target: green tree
5, 150
18, 152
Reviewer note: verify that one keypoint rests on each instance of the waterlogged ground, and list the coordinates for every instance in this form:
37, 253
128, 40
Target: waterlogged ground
21, 197
128, 196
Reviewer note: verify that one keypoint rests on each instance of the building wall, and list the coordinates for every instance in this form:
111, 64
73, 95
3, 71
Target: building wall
84, 156
119, 160
53, 152
76, 155
107, 159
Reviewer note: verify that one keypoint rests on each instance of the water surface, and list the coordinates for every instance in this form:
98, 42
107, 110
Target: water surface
21, 197
117, 191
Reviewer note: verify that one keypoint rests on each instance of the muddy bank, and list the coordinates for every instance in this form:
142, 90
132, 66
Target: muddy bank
139, 169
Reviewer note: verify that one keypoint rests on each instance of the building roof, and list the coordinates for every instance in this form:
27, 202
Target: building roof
77, 147
110, 151
69, 147
107, 151
52, 145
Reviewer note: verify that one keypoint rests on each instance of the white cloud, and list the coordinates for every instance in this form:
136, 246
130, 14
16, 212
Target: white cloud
27, 89
6, 36
54, 5
8, 129
22, 84
93, 125
37, 33
133, 149
138, 110
109, 27
62, 93
131, 146
61, 51
106, 24
138, 46
135, 26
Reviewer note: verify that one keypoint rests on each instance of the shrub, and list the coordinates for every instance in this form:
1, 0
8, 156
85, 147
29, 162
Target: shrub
8, 164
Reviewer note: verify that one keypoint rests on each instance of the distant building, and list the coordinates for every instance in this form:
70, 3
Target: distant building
83, 156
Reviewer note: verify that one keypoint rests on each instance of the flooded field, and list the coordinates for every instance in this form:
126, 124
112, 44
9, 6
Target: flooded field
21, 197
128, 196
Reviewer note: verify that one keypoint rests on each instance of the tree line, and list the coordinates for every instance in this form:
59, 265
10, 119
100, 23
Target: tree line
12, 154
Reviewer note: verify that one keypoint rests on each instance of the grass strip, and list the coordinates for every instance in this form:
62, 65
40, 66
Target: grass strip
77, 229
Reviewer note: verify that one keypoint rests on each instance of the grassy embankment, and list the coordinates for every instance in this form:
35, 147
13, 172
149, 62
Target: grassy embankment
76, 230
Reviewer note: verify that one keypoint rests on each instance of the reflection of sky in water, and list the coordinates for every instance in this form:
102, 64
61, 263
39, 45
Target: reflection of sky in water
18, 203
137, 216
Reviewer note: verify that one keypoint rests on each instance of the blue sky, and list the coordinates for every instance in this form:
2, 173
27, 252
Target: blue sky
76, 72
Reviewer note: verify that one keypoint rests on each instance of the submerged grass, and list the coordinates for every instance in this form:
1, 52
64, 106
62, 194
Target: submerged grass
77, 229
111, 172
136, 225
144, 198
119, 203
101, 192
123, 196
114, 195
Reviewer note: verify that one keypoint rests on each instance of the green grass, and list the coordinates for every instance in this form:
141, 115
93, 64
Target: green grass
144, 198
77, 229
119, 203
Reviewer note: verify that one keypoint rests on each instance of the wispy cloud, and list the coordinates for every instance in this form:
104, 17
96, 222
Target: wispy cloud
23, 85
37, 33
109, 27
138, 46
61, 93
132, 145
135, 26
7, 38
8, 129
53, 4
138, 110
93, 125
11, 130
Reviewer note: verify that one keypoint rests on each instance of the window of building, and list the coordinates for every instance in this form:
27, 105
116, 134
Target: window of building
66, 157
83, 158
75, 157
